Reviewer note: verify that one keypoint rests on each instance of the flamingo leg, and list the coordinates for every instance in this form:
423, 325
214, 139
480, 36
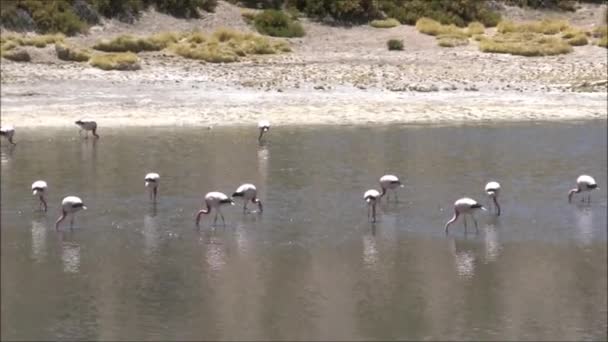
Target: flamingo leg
396, 196
464, 218
368, 211
215, 217
222, 216
475, 220
245, 206
72, 222
374, 212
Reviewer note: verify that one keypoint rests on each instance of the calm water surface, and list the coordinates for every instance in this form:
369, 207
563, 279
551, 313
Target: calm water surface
309, 267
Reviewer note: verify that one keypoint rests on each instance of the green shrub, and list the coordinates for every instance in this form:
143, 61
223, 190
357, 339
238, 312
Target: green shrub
457, 12
116, 61
70, 53
452, 40
183, 8
386, 23
394, 44
525, 44
17, 55
277, 24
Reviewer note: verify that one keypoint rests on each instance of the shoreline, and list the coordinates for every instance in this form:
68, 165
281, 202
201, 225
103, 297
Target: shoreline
301, 108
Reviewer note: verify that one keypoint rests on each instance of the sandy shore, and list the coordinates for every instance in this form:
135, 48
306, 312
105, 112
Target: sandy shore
334, 76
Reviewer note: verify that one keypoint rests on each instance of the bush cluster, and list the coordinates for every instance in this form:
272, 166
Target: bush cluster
116, 61
277, 24
73, 16
385, 23
395, 44
525, 44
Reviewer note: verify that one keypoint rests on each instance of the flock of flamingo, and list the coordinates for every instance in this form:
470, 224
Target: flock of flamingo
215, 200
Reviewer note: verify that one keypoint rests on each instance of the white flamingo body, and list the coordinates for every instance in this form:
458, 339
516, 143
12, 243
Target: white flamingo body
87, 125
493, 189
214, 200
249, 193
151, 182
465, 206
371, 197
584, 183
39, 189
389, 182
69, 206
8, 132
263, 126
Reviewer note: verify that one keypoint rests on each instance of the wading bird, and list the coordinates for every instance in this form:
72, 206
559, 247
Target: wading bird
214, 200
371, 197
584, 183
249, 193
464, 206
493, 189
389, 182
8, 132
69, 206
39, 189
87, 125
263, 126
152, 179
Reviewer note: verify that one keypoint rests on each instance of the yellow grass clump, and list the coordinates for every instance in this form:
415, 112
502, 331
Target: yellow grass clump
128, 43
39, 41
452, 40
475, 28
70, 53
17, 55
525, 44
545, 26
226, 45
386, 23
434, 28
603, 42
116, 61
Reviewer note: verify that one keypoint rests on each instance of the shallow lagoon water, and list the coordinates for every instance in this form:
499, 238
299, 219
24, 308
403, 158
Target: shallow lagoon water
311, 266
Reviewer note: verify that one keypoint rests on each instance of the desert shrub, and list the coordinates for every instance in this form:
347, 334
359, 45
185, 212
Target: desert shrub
546, 26
70, 53
600, 31
116, 61
475, 28
386, 23
525, 44
126, 43
17, 55
182, 8
603, 42
457, 12
277, 24
85, 11
394, 44
452, 40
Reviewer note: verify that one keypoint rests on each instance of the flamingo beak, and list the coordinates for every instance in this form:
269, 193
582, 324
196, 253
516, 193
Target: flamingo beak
35, 192
484, 209
147, 184
84, 207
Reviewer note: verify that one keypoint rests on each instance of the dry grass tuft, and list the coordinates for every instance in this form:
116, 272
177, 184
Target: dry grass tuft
546, 26
386, 23
226, 46
452, 40
525, 44
116, 61
127, 43
17, 55
70, 53
475, 28
434, 28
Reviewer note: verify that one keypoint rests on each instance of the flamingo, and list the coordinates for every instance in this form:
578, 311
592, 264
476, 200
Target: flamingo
263, 126
389, 182
249, 193
371, 196
583, 183
8, 132
493, 189
39, 189
213, 200
87, 125
69, 205
465, 206
152, 179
